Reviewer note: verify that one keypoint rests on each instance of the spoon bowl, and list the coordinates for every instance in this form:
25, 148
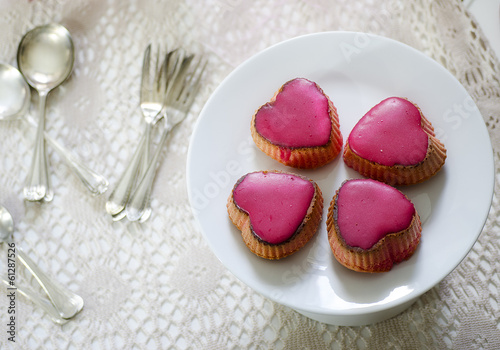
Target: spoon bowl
14, 93
45, 57
6, 225
66, 303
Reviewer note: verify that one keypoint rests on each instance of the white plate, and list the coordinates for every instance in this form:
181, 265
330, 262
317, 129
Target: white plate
356, 71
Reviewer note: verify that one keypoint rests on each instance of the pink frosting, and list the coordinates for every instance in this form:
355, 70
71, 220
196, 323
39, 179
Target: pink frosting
390, 133
277, 203
297, 118
368, 210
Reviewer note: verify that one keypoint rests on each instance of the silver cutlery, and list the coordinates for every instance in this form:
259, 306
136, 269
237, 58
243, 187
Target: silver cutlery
14, 102
14, 93
43, 303
67, 303
45, 58
94, 182
180, 100
153, 94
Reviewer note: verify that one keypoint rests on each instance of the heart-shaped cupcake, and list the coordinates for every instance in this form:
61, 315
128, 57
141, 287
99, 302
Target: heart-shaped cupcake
277, 213
299, 127
372, 226
394, 143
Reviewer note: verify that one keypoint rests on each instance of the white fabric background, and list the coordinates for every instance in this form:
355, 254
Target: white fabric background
157, 285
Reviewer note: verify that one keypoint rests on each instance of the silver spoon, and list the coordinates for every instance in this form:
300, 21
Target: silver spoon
14, 102
42, 302
45, 57
14, 93
65, 302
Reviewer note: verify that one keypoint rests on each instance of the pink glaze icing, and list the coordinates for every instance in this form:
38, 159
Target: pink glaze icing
277, 203
390, 133
368, 210
297, 118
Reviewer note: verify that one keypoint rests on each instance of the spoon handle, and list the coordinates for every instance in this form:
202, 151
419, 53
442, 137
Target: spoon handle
65, 302
138, 207
43, 303
38, 180
118, 198
95, 183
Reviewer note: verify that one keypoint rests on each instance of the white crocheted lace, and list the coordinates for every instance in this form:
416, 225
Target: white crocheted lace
157, 285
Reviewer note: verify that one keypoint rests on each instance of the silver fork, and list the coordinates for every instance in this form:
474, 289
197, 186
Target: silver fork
180, 100
154, 87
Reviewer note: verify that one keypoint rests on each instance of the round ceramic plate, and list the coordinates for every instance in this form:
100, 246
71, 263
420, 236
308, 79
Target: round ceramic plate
356, 71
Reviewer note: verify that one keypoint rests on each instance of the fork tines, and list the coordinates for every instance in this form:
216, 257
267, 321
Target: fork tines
187, 83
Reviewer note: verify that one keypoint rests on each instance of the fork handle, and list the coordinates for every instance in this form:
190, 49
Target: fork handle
66, 302
143, 166
138, 208
117, 200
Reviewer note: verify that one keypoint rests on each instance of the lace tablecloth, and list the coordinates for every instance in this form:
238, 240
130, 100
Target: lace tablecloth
157, 284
